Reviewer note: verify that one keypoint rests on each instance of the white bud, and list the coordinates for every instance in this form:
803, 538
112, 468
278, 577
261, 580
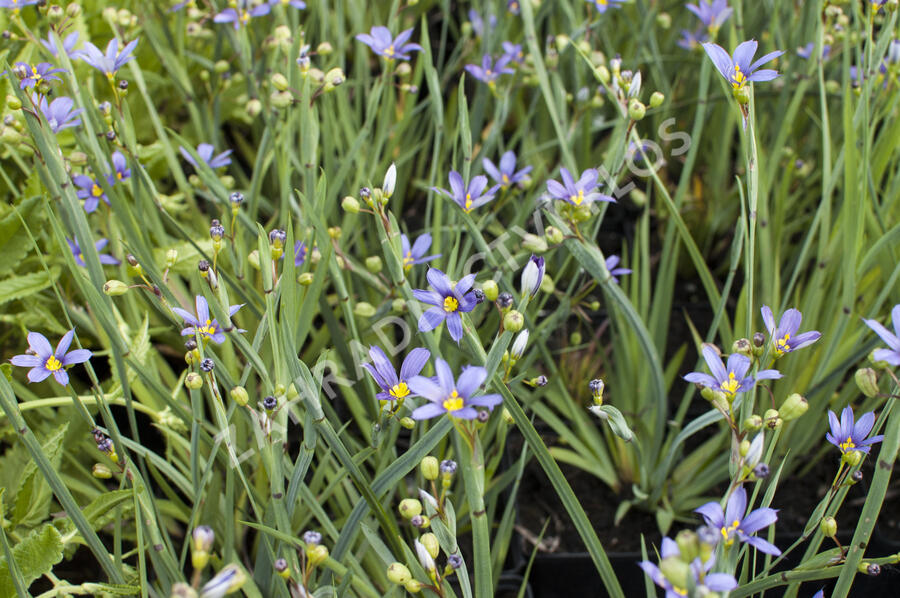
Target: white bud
519, 344
425, 557
390, 180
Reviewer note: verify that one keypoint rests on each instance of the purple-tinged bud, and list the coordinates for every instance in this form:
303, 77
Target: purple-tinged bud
277, 238
504, 300
312, 538
448, 467
282, 569
532, 276
455, 561
759, 339
236, 199
270, 403
483, 416
207, 365
216, 230
761, 471
856, 476
479, 295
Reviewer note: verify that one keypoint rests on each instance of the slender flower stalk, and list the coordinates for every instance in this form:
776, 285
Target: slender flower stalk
44, 361
202, 324
733, 524
784, 337
392, 386
448, 302
453, 397
731, 379
848, 435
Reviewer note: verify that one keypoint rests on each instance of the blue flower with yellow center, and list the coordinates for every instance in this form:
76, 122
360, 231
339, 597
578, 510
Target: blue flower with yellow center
733, 525
784, 337
729, 379
448, 301
470, 196
385, 45
202, 323
44, 361
582, 191
452, 396
416, 254
848, 435
392, 386
737, 68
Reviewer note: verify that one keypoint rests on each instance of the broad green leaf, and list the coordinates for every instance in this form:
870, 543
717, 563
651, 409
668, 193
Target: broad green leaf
14, 241
19, 287
33, 495
35, 556
103, 509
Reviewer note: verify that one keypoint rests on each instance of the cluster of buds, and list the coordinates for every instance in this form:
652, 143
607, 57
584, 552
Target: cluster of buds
749, 455
315, 552
202, 540
428, 549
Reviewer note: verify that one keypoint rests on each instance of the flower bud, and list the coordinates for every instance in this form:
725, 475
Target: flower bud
305, 279
409, 508
852, 458
114, 288
282, 569
754, 452
312, 538
239, 395
398, 305
350, 205
742, 346
413, 586
532, 275
828, 525
398, 573
793, 407
364, 310
182, 590
534, 243
688, 544
664, 20
430, 467
408, 423
279, 82
761, 471
636, 110
317, 554
507, 417
553, 235
253, 107
872, 569
333, 78
518, 347
390, 181
101, 472
676, 571
656, 99
753, 423
448, 468
513, 321
773, 419
227, 580
867, 381
373, 264
193, 381
431, 544
420, 521
597, 387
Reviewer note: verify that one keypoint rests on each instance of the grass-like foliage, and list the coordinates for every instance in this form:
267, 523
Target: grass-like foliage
295, 295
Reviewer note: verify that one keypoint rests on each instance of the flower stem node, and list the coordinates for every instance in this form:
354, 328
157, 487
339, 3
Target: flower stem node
773, 419
114, 288
239, 395
828, 526
793, 407
867, 381
513, 321
431, 468
399, 574
410, 507
101, 471
193, 381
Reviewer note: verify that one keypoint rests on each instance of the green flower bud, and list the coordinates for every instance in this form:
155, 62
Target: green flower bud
636, 110
602, 74
867, 381
534, 243
253, 107
350, 205
664, 20
373, 264
410, 507
324, 49
398, 305
553, 235
408, 423
513, 321
582, 213
13, 103
101, 471
688, 544
193, 381
744, 447
676, 571
742, 95
114, 288
239, 395
832, 87
253, 259
413, 586
333, 78
335, 232
182, 590
575, 338
73, 10
305, 279
431, 468
773, 419
279, 82
852, 458
364, 310
431, 544
399, 574
507, 417
793, 407
281, 99
742, 346
317, 554
490, 289
753, 423
828, 526
221, 67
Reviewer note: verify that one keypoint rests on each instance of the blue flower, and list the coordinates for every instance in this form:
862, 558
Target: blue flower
109, 62
44, 361
785, 337
416, 254
730, 379
732, 523
849, 436
75, 248
383, 44
604, 5
513, 6
393, 386
892, 355
59, 113
298, 4
737, 69
121, 172
300, 252
37, 73
576, 193
690, 40
806, 51
478, 23
454, 397
242, 15
489, 72
15, 5
715, 582
68, 44
202, 324
611, 263
205, 152
713, 14
471, 196
90, 191
448, 302
506, 175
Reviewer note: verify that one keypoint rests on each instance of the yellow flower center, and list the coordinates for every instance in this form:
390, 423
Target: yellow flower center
505, 180
602, 2
454, 402
781, 344
208, 329
245, 17
53, 364
390, 51
739, 79
450, 304
81, 257
727, 531
468, 207
399, 390
119, 175
96, 191
679, 591
730, 386
577, 199
847, 445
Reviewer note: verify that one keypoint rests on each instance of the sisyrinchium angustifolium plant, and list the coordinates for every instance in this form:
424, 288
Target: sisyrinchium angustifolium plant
294, 293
